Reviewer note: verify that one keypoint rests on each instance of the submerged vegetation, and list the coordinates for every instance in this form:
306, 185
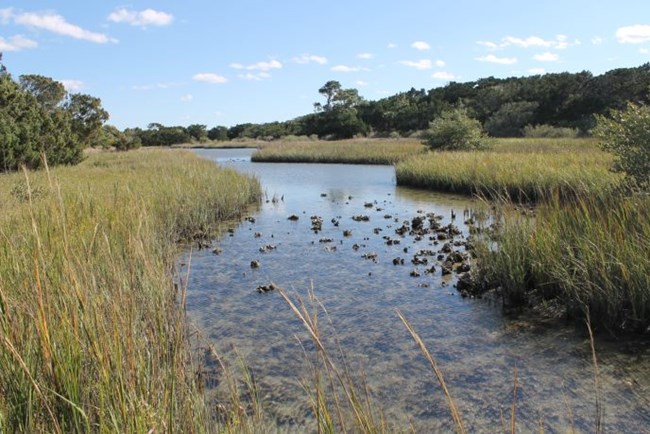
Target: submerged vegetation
92, 330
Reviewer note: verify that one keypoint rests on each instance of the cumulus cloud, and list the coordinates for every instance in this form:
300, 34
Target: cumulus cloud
5, 15
144, 18
209, 77
644, 50
636, 34
58, 24
187, 97
365, 56
259, 76
560, 42
259, 66
154, 86
596, 40
537, 71
420, 45
73, 85
346, 68
443, 75
309, 58
16, 43
392, 45
418, 64
491, 58
361, 83
441, 63
546, 57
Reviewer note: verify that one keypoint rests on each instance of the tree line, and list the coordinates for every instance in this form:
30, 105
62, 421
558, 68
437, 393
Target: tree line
505, 107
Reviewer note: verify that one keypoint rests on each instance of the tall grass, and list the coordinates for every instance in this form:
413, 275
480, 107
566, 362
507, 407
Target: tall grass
521, 169
591, 258
361, 151
92, 330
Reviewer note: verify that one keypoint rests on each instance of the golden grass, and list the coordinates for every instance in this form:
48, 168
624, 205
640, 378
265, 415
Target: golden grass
356, 151
521, 169
592, 257
92, 330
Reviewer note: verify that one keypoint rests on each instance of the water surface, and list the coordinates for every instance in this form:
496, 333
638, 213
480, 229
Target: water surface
475, 345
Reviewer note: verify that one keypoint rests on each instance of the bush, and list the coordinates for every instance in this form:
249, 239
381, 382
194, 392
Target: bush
454, 130
627, 135
549, 131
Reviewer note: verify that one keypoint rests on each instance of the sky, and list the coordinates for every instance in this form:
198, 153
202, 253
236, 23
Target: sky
226, 62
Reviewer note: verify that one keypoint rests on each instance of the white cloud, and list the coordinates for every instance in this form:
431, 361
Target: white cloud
489, 45
144, 18
391, 45
596, 40
154, 86
491, 58
443, 75
187, 97
441, 63
420, 45
531, 41
73, 85
644, 51
361, 83
209, 77
259, 66
365, 56
537, 71
58, 24
5, 15
560, 42
636, 34
420, 64
255, 76
345, 68
16, 43
308, 58
546, 57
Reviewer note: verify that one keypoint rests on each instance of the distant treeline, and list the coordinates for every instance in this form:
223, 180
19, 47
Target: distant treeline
506, 107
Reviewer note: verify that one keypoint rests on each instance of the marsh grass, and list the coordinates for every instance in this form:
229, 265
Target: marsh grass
524, 170
93, 336
590, 257
357, 151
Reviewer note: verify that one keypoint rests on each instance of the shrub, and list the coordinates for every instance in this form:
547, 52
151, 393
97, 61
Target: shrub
454, 130
627, 135
551, 132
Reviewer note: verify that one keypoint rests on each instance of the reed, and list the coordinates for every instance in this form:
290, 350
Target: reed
591, 258
93, 336
525, 170
357, 151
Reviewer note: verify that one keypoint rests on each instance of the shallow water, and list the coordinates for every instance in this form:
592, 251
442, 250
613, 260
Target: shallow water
476, 346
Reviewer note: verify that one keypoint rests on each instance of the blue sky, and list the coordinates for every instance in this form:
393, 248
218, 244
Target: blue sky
225, 62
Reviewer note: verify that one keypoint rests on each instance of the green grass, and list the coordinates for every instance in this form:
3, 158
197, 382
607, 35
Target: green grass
520, 169
591, 258
92, 330
358, 151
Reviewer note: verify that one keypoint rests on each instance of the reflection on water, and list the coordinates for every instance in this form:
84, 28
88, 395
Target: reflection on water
477, 348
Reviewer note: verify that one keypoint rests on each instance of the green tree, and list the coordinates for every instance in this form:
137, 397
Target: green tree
511, 118
626, 133
88, 116
198, 132
48, 92
218, 133
454, 130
